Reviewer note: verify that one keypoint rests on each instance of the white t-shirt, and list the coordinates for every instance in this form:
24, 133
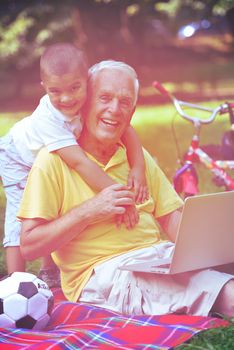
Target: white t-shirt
46, 126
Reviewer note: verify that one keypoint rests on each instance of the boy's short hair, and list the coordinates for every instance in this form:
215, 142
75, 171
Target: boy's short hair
60, 58
112, 64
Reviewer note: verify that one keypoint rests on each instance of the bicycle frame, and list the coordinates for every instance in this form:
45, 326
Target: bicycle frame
186, 178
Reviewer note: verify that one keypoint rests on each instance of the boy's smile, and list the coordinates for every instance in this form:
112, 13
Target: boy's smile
67, 92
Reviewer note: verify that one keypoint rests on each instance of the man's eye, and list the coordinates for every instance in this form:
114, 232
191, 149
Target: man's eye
104, 98
125, 102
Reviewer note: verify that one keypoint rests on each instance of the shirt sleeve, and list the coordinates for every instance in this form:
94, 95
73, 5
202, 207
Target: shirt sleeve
165, 197
54, 134
42, 196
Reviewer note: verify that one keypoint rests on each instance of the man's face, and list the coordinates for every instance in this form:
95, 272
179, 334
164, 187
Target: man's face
67, 92
111, 104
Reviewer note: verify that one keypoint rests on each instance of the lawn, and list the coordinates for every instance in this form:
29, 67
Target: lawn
6, 121
154, 127
167, 136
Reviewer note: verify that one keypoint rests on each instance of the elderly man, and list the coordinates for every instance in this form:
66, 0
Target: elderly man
62, 215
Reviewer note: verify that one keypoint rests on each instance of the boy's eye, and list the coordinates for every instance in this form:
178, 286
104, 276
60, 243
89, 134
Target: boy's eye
75, 87
54, 91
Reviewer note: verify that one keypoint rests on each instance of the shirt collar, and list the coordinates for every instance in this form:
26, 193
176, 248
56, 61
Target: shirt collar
117, 158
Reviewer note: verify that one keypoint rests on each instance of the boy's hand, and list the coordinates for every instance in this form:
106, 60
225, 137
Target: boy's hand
130, 218
137, 182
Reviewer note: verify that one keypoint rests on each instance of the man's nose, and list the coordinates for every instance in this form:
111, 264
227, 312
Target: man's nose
114, 105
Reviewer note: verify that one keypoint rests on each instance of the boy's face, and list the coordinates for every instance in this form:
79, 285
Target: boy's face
67, 92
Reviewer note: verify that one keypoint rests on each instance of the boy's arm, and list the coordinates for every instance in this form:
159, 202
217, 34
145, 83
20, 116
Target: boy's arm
76, 158
136, 178
96, 178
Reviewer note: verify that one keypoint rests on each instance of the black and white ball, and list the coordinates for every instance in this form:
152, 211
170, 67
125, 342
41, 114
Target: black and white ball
25, 301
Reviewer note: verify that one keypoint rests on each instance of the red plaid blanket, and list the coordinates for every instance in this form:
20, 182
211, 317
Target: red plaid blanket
78, 326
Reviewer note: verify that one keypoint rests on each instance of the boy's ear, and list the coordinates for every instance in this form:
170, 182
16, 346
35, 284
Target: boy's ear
43, 85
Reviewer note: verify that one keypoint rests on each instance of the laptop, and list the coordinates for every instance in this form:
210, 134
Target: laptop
205, 237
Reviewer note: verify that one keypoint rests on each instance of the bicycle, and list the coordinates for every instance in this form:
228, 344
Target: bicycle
185, 179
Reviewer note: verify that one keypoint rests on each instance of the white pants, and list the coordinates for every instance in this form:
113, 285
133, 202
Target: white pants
137, 293
14, 173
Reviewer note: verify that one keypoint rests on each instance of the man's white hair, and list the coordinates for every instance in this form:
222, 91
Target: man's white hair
111, 64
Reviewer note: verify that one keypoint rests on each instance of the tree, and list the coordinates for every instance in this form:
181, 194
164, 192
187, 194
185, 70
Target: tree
100, 26
130, 30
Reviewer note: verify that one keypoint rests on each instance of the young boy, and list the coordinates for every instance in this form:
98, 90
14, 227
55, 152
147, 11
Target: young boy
56, 124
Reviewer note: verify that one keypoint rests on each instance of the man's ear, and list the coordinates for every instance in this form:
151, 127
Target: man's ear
133, 111
42, 84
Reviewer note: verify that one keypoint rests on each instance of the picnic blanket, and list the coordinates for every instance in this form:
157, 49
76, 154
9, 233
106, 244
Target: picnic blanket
81, 326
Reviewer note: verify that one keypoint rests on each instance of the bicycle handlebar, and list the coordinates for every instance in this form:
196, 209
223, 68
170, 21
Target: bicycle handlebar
221, 109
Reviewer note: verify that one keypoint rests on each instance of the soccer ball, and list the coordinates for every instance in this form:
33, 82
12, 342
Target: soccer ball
25, 301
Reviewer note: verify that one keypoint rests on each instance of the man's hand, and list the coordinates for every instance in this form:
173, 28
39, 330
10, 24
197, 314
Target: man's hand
113, 200
39, 236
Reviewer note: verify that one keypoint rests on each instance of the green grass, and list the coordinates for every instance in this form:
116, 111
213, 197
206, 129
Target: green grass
213, 339
159, 129
154, 126
7, 120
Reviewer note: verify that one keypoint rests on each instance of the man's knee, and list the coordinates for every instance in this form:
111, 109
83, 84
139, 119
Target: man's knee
224, 303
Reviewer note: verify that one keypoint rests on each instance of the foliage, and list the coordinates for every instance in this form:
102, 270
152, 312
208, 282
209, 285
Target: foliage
104, 25
24, 37
182, 12
12, 35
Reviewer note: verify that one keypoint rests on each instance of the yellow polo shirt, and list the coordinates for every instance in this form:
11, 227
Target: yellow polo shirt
53, 189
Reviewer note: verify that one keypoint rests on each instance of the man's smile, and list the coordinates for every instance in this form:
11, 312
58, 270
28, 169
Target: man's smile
109, 122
